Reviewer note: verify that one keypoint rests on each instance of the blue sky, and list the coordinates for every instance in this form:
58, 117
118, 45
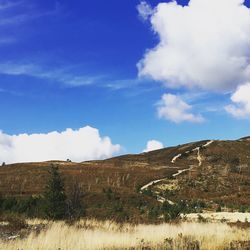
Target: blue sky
71, 64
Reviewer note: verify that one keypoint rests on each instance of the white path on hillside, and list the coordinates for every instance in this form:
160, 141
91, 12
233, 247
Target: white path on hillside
199, 158
193, 150
151, 184
182, 171
176, 157
208, 143
160, 198
198, 155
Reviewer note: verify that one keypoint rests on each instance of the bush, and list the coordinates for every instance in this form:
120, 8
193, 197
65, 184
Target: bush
245, 182
218, 210
148, 192
109, 193
173, 212
154, 213
234, 169
243, 209
29, 206
8, 204
75, 208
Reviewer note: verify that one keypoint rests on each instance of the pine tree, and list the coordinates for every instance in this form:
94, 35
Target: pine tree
55, 197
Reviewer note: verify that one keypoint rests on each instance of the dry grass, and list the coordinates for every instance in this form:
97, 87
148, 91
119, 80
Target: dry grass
91, 234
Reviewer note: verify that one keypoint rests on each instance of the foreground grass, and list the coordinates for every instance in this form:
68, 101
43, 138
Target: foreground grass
91, 234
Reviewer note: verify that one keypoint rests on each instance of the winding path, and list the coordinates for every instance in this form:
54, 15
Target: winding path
193, 150
199, 159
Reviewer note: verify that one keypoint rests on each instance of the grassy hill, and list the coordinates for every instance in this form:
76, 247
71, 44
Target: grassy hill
214, 172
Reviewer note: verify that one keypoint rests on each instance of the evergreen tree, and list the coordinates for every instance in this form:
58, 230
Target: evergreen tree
55, 197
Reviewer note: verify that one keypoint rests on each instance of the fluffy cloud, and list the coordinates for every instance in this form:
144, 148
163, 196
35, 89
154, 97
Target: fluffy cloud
241, 100
77, 145
173, 108
153, 145
205, 44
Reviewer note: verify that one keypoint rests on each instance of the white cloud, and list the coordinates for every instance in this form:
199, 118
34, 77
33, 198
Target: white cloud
205, 44
30, 11
173, 108
77, 145
144, 10
60, 75
153, 145
241, 100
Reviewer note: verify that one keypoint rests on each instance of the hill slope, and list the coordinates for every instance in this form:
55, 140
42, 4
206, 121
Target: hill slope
217, 172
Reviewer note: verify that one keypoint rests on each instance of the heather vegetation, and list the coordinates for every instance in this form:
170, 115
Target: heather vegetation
57, 204
54, 204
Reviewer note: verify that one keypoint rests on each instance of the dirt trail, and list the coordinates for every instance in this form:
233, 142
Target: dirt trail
182, 171
151, 184
175, 158
199, 159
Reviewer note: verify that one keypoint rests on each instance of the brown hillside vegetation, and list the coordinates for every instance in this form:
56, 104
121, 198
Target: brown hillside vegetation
218, 173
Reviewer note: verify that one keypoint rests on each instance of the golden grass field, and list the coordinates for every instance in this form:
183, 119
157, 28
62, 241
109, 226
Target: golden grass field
92, 234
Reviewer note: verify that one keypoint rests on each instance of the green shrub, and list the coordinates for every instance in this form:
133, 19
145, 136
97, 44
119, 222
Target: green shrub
243, 209
234, 169
8, 204
173, 211
148, 192
75, 208
218, 210
153, 213
245, 182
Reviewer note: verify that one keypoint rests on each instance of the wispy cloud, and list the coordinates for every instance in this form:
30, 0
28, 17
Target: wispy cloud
73, 76
60, 75
28, 14
144, 10
10, 92
16, 13
120, 84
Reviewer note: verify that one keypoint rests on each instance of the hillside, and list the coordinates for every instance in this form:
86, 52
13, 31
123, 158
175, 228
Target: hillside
216, 172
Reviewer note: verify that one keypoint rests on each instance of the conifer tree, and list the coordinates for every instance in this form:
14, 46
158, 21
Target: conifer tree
55, 197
